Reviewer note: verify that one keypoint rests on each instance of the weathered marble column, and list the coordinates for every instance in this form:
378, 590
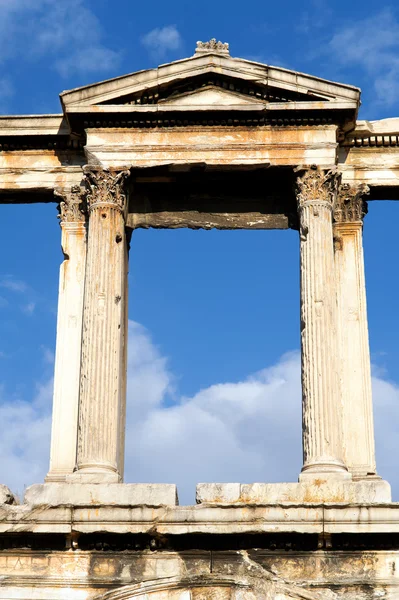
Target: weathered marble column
321, 402
354, 353
103, 364
69, 335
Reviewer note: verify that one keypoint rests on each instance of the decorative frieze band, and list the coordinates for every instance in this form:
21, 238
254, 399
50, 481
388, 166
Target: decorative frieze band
372, 140
350, 206
106, 187
72, 205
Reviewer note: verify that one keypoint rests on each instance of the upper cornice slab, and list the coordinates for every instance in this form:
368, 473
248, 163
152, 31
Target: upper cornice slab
22, 125
365, 128
110, 92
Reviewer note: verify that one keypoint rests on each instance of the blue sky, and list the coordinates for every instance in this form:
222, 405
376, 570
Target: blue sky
213, 393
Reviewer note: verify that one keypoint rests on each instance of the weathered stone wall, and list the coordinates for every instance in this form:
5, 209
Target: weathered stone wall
217, 574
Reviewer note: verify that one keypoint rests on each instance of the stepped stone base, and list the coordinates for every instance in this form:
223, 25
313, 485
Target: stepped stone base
313, 491
112, 494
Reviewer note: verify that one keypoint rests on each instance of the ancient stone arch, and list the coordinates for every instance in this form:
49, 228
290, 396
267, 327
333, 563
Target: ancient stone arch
209, 141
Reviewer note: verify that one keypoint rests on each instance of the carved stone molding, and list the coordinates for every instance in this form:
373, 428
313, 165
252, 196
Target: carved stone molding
72, 205
106, 187
212, 46
350, 206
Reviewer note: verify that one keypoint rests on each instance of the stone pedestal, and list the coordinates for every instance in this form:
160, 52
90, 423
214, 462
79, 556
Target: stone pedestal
122, 494
103, 363
322, 418
69, 336
318, 491
354, 354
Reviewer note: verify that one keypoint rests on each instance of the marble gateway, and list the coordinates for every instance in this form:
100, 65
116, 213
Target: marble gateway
209, 141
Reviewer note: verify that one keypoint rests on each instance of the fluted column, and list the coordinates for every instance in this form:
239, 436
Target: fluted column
354, 353
103, 364
69, 334
321, 403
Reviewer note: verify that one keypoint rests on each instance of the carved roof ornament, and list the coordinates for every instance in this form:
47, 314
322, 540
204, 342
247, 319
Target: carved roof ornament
350, 206
212, 46
106, 186
317, 185
72, 205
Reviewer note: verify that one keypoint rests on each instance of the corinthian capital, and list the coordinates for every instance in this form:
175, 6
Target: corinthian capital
72, 204
350, 206
106, 187
317, 186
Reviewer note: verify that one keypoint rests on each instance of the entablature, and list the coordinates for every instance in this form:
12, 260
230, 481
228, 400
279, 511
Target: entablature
209, 110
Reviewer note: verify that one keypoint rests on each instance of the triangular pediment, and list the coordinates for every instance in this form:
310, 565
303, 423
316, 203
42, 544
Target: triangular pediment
209, 80
210, 96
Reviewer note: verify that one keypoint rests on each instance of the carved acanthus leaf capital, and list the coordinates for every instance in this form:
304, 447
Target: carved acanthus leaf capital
350, 206
317, 186
72, 204
106, 187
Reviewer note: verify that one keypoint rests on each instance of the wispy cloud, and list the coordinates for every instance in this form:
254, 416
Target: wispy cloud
161, 40
28, 308
19, 287
373, 45
316, 16
25, 438
48, 355
67, 32
14, 285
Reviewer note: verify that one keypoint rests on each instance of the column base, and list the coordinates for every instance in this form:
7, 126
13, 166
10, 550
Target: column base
93, 477
366, 477
324, 474
56, 477
114, 494
324, 469
317, 491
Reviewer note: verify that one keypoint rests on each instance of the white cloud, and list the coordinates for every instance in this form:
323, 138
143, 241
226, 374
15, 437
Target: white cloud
66, 32
28, 308
236, 431
161, 40
18, 286
315, 17
372, 44
244, 431
14, 285
48, 355
25, 437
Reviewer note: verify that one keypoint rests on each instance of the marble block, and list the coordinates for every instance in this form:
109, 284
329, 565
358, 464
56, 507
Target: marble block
316, 491
112, 494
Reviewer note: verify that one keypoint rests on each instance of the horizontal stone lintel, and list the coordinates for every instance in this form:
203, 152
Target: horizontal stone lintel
202, 519
199, 220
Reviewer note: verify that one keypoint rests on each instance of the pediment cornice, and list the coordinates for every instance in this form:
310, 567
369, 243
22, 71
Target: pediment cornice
290, 85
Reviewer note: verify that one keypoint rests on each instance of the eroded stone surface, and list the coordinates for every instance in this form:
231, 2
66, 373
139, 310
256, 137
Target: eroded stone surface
6, 496
314, 491
193, 575
113, 494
